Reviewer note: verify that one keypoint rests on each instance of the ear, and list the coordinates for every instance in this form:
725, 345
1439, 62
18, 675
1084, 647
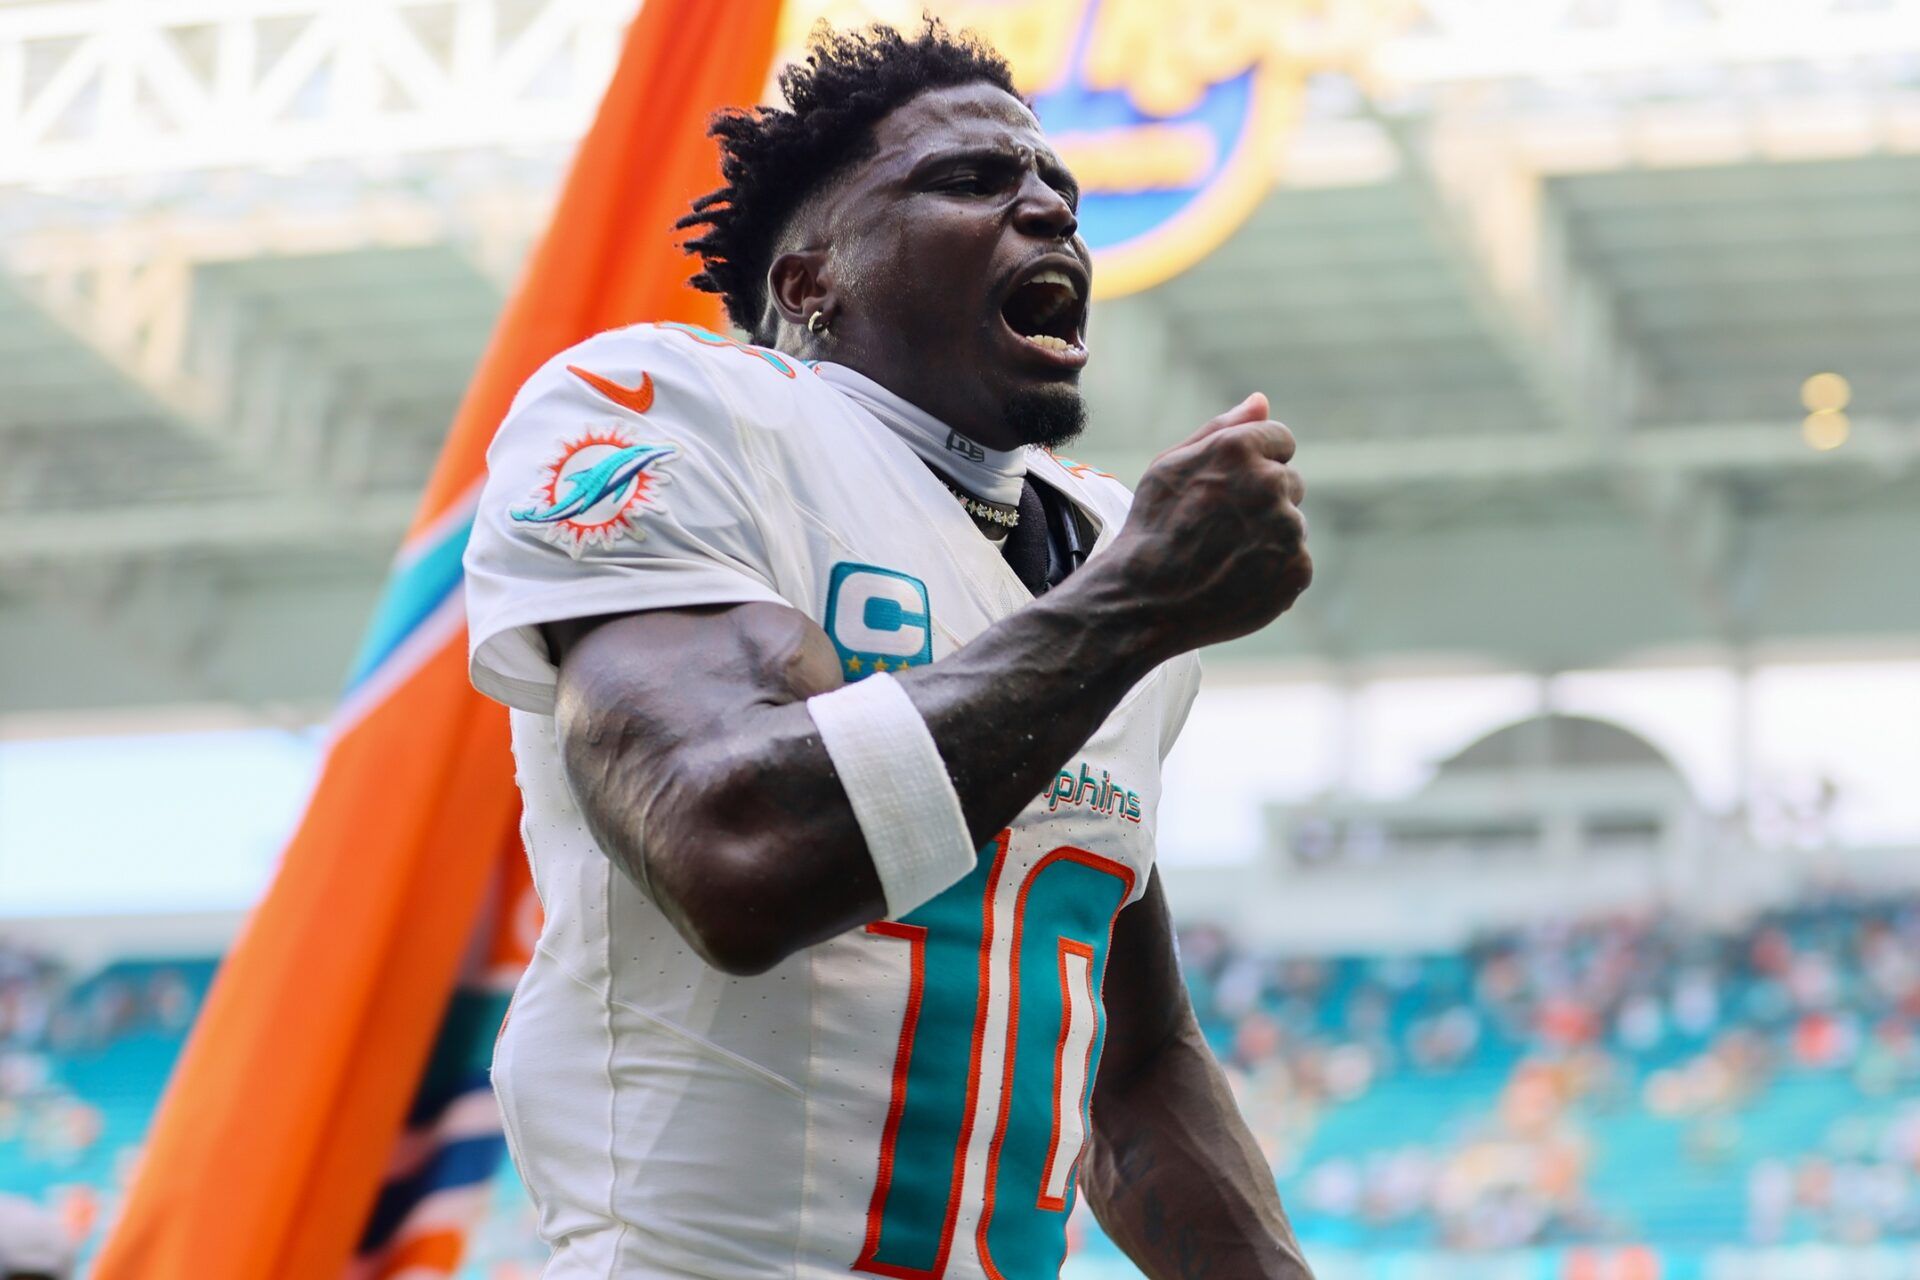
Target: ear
799, 283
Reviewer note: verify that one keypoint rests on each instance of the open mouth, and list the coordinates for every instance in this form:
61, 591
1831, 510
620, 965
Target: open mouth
1047, 312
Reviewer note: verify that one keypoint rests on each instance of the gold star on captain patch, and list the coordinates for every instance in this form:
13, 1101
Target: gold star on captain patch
880, 664
853, 666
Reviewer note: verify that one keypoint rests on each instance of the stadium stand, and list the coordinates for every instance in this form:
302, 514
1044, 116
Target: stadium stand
1627, 1081
82, 1064
1622, 1079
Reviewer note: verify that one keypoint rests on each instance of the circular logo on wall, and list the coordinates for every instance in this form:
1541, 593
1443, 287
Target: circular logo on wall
1170, 115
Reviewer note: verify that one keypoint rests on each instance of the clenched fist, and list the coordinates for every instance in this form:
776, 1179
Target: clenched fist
1216, 544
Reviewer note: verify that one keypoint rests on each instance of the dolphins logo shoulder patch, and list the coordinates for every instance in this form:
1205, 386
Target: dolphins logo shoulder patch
595, 489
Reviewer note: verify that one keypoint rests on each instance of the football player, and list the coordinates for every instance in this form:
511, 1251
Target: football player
839, 704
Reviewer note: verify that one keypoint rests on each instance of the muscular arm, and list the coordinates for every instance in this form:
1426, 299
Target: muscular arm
1172, 1172
689, 746
691, 751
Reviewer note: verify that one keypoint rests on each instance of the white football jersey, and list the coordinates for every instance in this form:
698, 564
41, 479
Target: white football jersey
909, 1099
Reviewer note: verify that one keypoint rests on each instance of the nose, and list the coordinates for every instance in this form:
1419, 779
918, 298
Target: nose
1043, 211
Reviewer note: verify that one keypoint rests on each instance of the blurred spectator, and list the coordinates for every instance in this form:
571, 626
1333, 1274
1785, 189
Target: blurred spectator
61, 1039
1571, 1024
1474, 1100
33, 1244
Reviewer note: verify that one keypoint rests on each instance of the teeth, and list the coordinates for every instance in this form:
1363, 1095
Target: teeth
1053, 275
1050, 342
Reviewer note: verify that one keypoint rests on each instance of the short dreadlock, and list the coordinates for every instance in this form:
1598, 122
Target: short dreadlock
774, 159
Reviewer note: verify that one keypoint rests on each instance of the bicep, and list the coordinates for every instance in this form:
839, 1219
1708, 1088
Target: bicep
638, 693
679, 667
688, 747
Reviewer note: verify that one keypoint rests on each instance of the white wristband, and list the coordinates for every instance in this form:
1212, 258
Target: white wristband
896, 781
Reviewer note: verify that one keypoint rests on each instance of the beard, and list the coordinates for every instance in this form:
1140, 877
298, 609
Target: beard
1046, 416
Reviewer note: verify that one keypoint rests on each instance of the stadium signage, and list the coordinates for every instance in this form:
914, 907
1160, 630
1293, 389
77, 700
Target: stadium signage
1169, 115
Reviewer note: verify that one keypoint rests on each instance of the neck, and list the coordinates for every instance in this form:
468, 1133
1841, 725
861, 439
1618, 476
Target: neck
885, 368
995, 475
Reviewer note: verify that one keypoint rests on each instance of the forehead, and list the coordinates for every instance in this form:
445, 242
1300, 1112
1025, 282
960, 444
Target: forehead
968, 116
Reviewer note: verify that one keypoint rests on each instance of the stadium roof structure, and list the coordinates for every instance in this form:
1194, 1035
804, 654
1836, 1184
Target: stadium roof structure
1540, 304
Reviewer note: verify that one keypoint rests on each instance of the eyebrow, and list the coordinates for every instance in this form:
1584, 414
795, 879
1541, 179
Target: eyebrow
1046, 164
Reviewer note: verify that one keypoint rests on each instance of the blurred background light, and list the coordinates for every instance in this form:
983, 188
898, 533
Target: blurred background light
1825, 392
1826, 430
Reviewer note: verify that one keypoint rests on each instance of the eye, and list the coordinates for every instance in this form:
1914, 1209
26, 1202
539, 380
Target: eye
970, 183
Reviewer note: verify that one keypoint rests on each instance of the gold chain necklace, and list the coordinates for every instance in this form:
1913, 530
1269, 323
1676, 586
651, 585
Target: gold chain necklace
999, 513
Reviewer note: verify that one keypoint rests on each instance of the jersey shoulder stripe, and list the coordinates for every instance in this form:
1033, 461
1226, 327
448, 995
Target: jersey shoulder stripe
1100, 490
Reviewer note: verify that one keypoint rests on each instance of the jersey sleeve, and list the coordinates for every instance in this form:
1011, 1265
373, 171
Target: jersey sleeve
617, 483
1183, 686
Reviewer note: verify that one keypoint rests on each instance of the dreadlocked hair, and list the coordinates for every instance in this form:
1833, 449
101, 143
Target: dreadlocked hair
774, 159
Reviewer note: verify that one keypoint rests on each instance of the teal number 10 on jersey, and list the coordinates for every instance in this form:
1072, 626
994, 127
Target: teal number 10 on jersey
994, 1074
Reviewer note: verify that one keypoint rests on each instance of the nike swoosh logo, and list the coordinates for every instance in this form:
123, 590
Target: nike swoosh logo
639, 399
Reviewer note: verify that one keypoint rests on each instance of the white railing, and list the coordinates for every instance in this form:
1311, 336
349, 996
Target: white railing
1451, 41
108, 88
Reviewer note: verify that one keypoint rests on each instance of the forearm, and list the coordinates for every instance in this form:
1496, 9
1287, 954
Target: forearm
1176, 1179
1009, 708
751, 799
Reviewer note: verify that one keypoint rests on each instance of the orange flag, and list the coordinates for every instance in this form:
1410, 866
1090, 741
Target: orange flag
295, 1098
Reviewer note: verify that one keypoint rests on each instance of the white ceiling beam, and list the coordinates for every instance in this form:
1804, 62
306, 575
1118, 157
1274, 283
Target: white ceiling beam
225, 525
1564, 328
352, 82
1508, 247
126, 95
234, 633
1352, 469
1758, 449
164, 618
215, 372
218, 365
1471, 40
